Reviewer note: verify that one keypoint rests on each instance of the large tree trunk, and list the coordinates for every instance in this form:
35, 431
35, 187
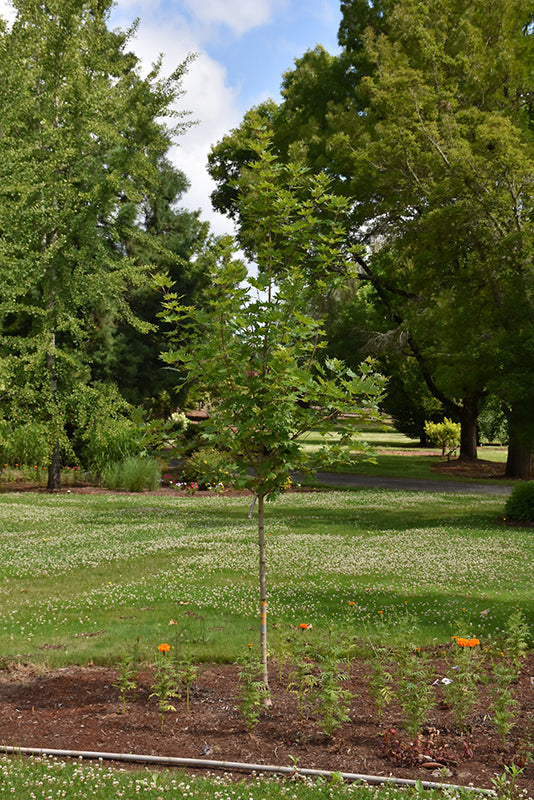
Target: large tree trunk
468, 424
518, 462
520, 441
263, 596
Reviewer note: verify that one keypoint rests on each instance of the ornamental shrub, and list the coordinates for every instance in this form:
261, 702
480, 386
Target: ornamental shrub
520, 504
444, 434
133, 474
209, 468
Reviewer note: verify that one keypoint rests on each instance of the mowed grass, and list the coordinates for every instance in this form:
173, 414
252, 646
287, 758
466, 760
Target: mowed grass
82, 576
28, 779
396, 455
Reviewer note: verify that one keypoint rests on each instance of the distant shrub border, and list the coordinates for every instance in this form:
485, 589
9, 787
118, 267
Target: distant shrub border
520, 504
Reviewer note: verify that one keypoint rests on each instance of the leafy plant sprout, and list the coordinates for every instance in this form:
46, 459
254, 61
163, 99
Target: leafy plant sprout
165, 684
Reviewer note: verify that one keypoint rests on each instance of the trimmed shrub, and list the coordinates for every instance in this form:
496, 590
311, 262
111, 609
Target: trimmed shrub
444, 434
520, 504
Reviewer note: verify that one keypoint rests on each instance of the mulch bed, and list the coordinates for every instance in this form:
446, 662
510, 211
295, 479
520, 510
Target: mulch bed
80, 709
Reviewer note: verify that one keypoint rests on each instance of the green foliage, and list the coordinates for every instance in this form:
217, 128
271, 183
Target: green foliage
133, 474
492, 423
188, 673
504, 707
166, 682
516, 640
26, 443
462, 692
381, 681
252, 693
520, 503
257, 349
128, 668
82, 132
444, 434
302, 677
330, 699
504, 785
209, 468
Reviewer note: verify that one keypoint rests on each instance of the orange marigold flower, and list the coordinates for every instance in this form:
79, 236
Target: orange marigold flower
474, 642
352, 603
164, 648
304, 626
461, 642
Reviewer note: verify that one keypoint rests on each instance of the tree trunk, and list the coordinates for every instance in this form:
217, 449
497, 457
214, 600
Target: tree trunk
518, 462
468, 429
54, 471
263, 596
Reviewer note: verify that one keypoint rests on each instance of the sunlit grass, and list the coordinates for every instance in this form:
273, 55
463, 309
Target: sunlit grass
28, 779
83, 575
397, 456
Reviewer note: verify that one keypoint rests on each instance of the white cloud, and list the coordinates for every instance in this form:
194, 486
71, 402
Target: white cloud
7, 11
209, 98
239, 16
214, 107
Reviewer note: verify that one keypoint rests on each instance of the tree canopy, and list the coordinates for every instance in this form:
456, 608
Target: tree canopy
429, 128
257, 347
82, 135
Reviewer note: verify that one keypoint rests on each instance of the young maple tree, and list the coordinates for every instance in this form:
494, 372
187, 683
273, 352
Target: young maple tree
257, 348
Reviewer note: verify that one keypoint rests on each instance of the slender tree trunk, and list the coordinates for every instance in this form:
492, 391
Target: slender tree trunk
263, 595
54, 471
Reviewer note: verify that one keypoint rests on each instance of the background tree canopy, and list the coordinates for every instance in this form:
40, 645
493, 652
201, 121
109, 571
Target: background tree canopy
425, 118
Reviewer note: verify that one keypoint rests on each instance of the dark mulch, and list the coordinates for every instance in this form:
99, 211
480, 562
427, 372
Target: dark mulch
80, 709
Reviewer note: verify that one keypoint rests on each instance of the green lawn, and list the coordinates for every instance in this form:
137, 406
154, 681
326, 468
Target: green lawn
396, 455
82, 576
48, 779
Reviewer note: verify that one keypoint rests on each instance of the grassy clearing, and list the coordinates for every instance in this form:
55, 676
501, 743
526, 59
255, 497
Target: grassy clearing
27, 779
394, 455
82, 576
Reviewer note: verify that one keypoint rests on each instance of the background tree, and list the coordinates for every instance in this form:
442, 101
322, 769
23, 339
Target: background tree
82, 134
257, 348
174, 241
430, 130
450, 154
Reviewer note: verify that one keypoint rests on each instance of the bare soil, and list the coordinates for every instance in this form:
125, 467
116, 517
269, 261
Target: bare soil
478, 469
80, 709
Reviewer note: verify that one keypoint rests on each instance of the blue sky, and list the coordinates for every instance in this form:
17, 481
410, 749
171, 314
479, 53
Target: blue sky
242, 46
